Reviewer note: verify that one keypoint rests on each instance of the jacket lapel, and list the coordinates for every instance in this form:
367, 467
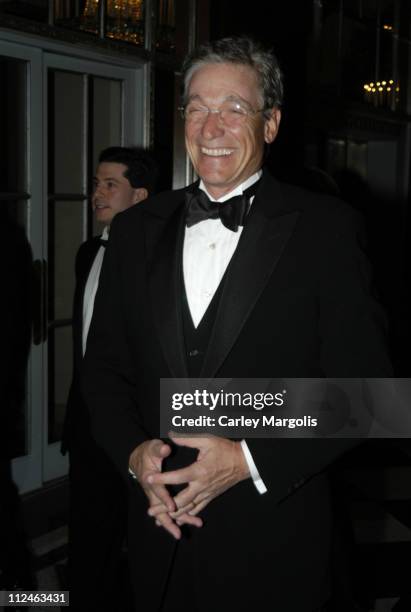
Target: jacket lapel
268, 230
164, 242
260, 247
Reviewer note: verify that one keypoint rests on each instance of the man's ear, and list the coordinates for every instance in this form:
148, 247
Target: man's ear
140, 194
271, 125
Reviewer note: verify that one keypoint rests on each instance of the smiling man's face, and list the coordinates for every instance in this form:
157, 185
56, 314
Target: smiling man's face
226, 156
112, 191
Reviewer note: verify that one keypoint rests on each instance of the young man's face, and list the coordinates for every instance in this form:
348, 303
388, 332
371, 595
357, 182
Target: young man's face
224, 156
112, 192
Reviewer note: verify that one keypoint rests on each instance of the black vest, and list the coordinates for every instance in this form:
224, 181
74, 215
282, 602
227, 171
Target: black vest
197, 339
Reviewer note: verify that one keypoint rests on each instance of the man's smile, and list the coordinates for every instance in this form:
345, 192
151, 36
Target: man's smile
216, 152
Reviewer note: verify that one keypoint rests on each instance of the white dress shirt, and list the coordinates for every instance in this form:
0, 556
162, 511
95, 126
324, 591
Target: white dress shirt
207, 251
91, 289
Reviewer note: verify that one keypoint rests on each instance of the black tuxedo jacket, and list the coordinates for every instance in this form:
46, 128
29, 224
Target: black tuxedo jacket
98, 497
77, 419
297, 302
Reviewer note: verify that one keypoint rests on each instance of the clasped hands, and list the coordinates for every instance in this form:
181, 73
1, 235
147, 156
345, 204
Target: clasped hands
220, 464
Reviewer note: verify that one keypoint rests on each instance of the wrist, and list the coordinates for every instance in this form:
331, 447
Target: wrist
134, 461
243, 469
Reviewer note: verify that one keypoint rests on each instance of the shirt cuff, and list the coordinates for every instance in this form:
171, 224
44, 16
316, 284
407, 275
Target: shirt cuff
258, 481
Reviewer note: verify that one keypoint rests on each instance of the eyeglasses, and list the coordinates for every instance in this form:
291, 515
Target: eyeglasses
232, 114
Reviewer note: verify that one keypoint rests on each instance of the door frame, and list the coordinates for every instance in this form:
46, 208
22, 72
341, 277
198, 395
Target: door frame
44, 462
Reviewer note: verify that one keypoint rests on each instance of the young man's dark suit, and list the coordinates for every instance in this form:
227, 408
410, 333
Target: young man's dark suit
97, 494
296, 302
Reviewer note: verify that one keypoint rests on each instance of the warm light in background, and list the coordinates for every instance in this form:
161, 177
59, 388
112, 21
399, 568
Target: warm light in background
381, 93
124, 19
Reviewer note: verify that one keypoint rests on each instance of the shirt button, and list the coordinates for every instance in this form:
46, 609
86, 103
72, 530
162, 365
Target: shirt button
194, 353
207, 294
212, 246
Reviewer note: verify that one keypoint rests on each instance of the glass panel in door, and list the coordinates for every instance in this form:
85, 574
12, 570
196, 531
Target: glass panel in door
106, 122
84, 117
90, 106
66, 233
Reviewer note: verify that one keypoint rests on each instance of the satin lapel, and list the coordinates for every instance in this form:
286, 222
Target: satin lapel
259, 250
165, 285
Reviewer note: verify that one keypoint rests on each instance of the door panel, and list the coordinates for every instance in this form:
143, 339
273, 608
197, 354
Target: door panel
60, 112
66, 130
86, 103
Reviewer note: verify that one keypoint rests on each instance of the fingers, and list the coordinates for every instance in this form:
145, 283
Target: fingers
182, 510
159, 508
194, 442
161, 494
198, 507
156, 509
148, 457
193, 508
187, 519
181, 516
164, 520
187, 497
162, 450
158, 451
181, 476
184, 519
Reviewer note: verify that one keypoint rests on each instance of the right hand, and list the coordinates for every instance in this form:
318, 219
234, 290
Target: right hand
146, 460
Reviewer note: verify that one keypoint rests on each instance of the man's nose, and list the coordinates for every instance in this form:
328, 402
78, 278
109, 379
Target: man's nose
98, 190
212, 126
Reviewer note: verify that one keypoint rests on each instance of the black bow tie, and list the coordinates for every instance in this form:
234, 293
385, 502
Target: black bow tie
102, 242
232, 212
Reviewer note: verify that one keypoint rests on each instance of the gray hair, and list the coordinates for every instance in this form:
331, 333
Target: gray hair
244, 51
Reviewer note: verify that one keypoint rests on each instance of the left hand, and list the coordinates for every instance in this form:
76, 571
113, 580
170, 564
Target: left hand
219, 466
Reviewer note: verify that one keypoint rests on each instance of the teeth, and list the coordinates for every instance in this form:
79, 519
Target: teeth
216, 152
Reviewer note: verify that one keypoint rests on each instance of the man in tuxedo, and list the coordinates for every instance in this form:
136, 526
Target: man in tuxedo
124, 177
271, 284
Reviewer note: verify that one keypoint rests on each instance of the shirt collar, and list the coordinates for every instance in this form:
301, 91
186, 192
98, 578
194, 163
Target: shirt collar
237, 190
104, 235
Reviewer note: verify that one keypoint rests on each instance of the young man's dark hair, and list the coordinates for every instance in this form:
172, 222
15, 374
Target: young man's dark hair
142, 169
